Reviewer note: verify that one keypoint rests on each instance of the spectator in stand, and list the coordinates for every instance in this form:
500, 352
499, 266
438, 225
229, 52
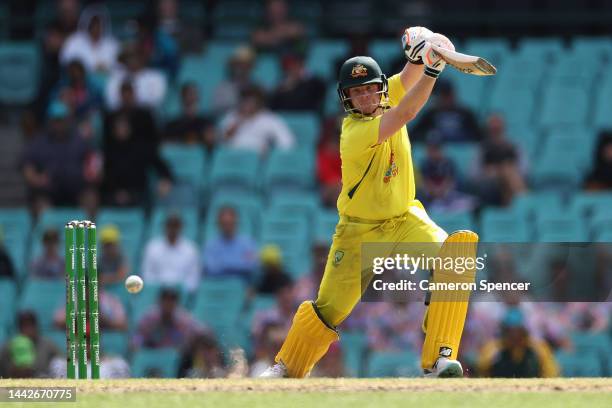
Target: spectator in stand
55, 164
28, 354
230, 253
239, 69
172, 259
113, 316
253, 127
131, 151
273, 276
112, 266
49, 264
439, 190
167, 324
7, 269
600, 178
191, 126
299, 90
93, 43
279, 32
454, 122
501, 176
188, 36
516, 353
67, 18
149, 84
78, 91
202, 358
159, 48
329, 165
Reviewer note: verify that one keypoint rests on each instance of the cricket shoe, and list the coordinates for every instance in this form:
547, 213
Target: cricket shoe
278, 370
445, 368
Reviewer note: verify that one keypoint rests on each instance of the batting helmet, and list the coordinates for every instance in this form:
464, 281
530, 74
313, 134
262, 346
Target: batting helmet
358, 71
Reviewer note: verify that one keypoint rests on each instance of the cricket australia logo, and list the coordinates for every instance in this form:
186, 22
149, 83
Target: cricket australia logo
359, 71
392, 170
338, 257
445, 352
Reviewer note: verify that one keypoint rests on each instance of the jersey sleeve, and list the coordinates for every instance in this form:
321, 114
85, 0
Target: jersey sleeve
358, 137
396, 90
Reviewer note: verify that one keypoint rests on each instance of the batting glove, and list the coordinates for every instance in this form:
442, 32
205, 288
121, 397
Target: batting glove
434, 64
413, 42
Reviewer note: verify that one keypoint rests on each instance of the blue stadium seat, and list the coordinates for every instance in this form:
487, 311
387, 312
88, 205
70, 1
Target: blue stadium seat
114, 343
579, 365
291, 234
305, 126
453, 221
44, 297
332, 105
515, 101
188, 215
550, 173
322, 56
8, 300
556, 111
188, 164
574, 145
586, 204
144, 301
235, 170
161, 363
52, 218
587, 47
601, 221
291, 170
571, 70
470, 89
550, 48
354, 346
131, 224
305, 204
385, 52
191, 70
19, 66
393, 364
560, 228
603, 100
526, 138
267, 71
464, 155
494, 50
248, 206
325, 225
528, 204
504, 225
588, 342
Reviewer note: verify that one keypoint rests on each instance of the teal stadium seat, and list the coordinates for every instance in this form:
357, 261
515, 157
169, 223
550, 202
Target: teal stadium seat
393, 364
556, 109
234, 170
305, 126
53, 218
551, 172
188, 164
587, 47
325, 225
504, 225
291, 170
219, 303
586, 204
267, 71
573, 145
306, 204
248, 207
526, 138
464, 155
160, 363
450, 222
19, 67
114, 343
8, 300
192, 67
494, 50
528, 204
44, 297
515, 101
189, 217
560, 228
570, 69
322, 56
470, 89
354, 346
144, 301
385, 52
332, 105
550, 48
601, 221
603, 100
291, 234
131, 224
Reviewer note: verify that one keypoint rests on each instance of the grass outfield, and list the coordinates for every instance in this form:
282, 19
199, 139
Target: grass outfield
333, 393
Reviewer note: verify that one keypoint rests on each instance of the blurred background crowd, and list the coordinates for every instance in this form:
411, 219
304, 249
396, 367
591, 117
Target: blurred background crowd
203, 139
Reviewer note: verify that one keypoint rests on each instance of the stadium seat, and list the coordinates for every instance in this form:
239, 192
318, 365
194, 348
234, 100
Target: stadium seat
586, 204
305, 204
191, 70
550, 174
44, 297
188, 165
587, 47
114, 343
291, 234
470, 89
571, 70
19, 66
393, 364
550, 48
8, 300
602, 101
234, 170
504, 225
464, 155
248, 206
267, 71
305, 126
188, 215
131, 224
589, 342
354, 346
515, 102
323, 55
494, 50
560, 228
528, 204
574, 145
53, 218
325, 225
601, 221
160, 363
332, 105
453, 221
291, 170
556, 111
386, 52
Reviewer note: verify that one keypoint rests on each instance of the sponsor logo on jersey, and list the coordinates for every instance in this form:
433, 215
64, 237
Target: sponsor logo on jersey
392, 170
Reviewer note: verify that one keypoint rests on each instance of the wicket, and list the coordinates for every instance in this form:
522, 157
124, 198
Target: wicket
82, 266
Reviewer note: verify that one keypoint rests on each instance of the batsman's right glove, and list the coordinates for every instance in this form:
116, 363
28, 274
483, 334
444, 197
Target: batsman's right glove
434, 64
413, 42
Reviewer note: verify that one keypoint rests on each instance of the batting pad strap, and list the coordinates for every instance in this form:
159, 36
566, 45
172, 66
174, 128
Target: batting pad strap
307, 341
445, 316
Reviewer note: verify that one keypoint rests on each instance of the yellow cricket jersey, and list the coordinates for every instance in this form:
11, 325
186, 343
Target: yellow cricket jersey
377, 179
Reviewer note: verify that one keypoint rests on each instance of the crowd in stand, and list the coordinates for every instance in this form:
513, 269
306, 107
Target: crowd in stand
93, 139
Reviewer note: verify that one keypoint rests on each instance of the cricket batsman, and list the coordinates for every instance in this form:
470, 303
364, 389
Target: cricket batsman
377, 204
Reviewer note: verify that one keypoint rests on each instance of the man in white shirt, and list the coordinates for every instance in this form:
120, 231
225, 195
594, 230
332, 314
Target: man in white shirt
92, 43
172, 259
253, 127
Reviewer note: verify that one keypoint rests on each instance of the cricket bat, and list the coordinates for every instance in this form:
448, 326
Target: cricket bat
468, 64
